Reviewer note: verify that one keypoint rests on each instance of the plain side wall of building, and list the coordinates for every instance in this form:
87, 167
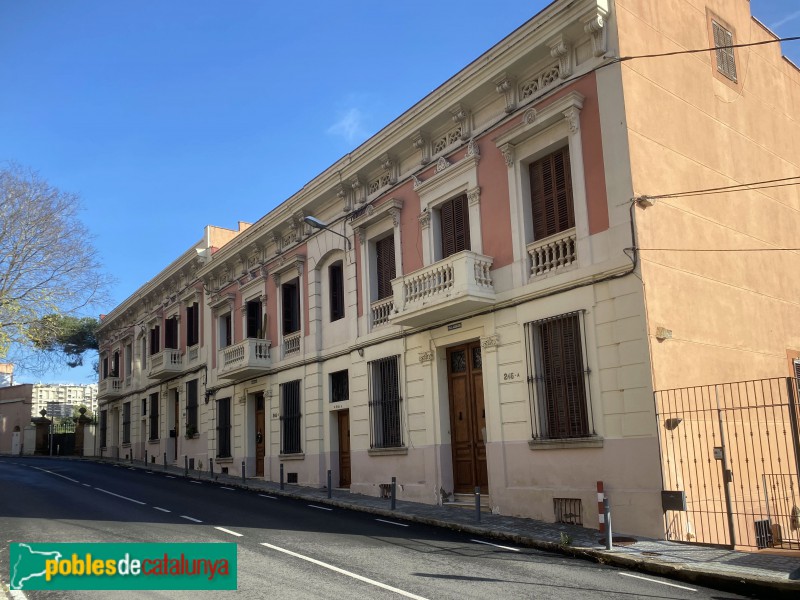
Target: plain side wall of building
15, 411
733, 315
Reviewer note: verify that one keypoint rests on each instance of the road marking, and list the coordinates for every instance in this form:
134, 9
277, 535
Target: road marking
343, 572
87, 485
118, 496
149, 472
57, 475
229, 531
496, 545
319, 507
191, 519
392, 523
17, 595
222, 487
161, 509
197, 482
675, 585
131, 469
170, 476
270, 497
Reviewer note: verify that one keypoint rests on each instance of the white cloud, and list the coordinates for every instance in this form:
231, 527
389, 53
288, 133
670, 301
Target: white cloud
785, 20
350, 126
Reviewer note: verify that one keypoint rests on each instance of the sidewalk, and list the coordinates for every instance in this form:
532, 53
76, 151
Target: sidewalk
762, 574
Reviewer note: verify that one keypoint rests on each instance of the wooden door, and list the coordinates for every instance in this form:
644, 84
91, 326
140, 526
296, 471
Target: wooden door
344, 448
259, 435
467, 418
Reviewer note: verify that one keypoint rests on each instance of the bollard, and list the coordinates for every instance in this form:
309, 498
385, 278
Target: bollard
165, 461
329, 483
131, 455
185, 465
211, 468
145, 458
478, 504
607, 519
394, 492
58, 449
281, 475
244, 478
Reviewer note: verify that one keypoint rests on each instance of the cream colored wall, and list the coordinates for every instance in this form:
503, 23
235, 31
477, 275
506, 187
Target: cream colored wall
732, 315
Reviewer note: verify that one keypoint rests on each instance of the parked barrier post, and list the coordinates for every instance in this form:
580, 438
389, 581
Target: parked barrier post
211, 468
329, 483
607, 519
478, 504
165, 461
185, 465
145, 458
281, 475
244, 477
394, 492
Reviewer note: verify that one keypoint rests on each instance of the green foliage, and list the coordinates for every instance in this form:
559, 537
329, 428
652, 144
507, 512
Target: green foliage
71, 336
566, 540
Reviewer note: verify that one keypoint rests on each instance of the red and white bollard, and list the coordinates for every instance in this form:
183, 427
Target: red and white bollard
600, 511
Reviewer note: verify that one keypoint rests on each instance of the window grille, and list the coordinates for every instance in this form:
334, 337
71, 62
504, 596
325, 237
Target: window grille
385, 403
126, 423
154, 416
558, 378
726, 60
290, 418
223, 428
568, 510
191, 404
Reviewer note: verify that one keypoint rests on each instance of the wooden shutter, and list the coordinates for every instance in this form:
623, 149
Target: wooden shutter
552, 206
455, 226
384, 251
726, 63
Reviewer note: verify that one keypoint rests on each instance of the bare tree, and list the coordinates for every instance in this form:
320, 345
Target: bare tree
48, 264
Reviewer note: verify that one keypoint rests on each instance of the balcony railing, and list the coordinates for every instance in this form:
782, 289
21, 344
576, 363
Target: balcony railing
381, 310
291, 344
248, 358
448, 288
166, 363
553, 253
110, 387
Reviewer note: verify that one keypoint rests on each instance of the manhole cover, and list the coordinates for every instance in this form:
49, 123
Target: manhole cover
618, 541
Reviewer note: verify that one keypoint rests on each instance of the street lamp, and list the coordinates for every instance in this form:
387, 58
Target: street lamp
317, 224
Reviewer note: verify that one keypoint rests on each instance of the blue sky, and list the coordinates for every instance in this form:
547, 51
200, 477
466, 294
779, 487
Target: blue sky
168, 116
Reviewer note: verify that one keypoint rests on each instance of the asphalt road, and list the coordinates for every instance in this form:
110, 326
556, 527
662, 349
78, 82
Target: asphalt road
289, 549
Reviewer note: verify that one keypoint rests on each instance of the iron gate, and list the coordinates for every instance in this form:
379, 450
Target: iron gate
733, 450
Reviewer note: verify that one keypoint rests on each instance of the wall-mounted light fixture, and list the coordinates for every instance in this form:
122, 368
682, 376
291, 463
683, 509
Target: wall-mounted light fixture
317, 224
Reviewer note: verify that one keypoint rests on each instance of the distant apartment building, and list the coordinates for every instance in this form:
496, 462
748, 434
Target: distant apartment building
62, 400
531, 254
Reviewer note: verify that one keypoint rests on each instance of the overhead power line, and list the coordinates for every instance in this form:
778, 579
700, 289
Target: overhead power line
698, 50
738, 187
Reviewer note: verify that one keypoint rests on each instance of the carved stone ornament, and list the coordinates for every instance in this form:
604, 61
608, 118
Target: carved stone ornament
490, 342
507, 150
442, 164
420, 142
358, 189
344, 197
417, 181
389, 163
426, 356
278, 241
461, 115
596, 27
561, 50
472, 149
394, 213
361, 232
424, 219
529, 117
474, 196
572, 115
507, 86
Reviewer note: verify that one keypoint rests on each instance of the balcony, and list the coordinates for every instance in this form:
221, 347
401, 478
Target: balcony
447, 289
291, 344
110, 387
248, 358
553, 254
381, 310
166, 363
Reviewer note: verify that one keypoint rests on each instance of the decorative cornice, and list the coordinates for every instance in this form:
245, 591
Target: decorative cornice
424, 219
507, 150
490, 342
595, 25
573, 117
474, 196
417, 181
529, 116
442, 164
462, 115
472, 149
507, 86
562, 50
390, 208
421, 142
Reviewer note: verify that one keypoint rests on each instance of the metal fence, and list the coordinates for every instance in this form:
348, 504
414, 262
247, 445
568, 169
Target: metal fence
733, 450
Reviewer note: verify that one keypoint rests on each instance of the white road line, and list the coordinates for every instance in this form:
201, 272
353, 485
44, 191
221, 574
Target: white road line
675, 585
226, 488
57, 475
197, 482
191, 519
131, 469
496, 545
319, 507
118, 496
343, 572
87, 485
149, 472
270, 497
17, 595
392, 523
229, 531
161, 509
170, 476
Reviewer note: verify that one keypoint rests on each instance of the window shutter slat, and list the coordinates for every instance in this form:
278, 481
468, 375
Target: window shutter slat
552, 206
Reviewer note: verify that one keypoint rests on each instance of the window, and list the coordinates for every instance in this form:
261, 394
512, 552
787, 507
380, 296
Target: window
115, 365
340, 386
191, 404
155, 340
384, 403
336, 290
224, 428
105, 367
561, 407
253, 327
144, 407
128, 360
385, 266
144, 352
454, 217
552, 208
290, 418
225, 331
171, 333
192, 325
103, 428
126, 423
154, 416
291, 306
726, 60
